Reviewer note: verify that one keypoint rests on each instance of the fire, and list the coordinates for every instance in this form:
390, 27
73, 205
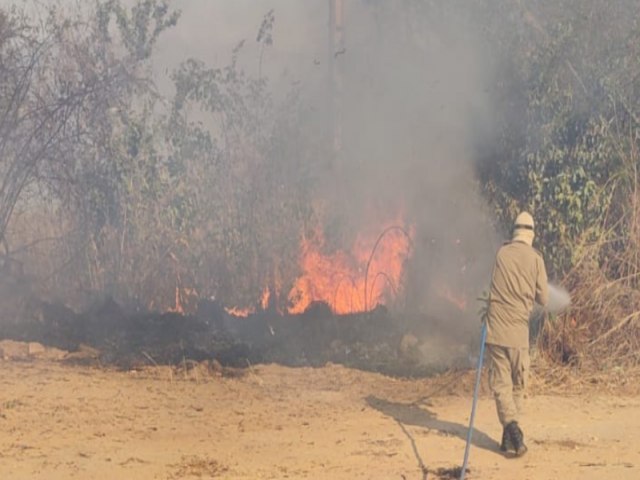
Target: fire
177, 308
351, 281
240, 312
245, 312
184, 298
266, 296
456, 299
354, 280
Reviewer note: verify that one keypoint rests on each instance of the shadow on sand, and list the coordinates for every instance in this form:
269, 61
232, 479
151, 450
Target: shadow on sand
411, 414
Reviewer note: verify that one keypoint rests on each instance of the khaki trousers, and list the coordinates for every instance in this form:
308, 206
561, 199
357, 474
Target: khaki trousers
508, 380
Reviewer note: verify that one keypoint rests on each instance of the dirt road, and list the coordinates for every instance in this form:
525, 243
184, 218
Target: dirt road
69, 422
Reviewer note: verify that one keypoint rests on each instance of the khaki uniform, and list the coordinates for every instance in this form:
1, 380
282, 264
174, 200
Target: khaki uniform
519, 279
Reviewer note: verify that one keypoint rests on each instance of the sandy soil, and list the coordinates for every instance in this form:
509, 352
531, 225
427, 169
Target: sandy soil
60, 422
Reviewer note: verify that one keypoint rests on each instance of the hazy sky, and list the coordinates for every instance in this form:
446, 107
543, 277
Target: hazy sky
210, 29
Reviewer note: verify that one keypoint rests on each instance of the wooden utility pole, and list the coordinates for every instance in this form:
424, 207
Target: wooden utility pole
336, 58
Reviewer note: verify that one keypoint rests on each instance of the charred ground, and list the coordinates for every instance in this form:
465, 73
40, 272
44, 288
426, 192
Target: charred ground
378, 340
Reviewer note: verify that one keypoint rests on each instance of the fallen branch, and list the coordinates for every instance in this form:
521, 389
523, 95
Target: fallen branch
626, 320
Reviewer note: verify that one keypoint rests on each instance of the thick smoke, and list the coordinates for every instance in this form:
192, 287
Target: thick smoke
415, 104
413, 108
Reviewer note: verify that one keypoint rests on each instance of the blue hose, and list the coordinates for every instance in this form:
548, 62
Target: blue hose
475, 401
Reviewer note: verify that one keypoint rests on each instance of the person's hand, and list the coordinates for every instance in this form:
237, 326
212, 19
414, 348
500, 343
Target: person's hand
483, 311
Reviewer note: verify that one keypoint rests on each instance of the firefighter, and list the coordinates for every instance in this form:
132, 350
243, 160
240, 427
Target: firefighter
519, 279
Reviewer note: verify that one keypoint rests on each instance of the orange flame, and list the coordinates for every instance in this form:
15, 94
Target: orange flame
367, 275
456, 299
341, 278
184, 300
239, 312
177, 308
355, 280
266, 296
245, 312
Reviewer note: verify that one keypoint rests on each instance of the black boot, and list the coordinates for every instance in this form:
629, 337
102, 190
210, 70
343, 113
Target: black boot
506, 444
517, 438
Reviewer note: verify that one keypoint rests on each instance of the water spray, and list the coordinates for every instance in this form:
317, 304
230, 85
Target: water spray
559, 299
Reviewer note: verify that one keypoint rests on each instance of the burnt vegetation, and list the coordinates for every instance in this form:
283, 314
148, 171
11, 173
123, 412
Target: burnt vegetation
179, 204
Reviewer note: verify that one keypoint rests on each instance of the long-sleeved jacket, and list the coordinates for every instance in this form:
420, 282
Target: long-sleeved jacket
519, 278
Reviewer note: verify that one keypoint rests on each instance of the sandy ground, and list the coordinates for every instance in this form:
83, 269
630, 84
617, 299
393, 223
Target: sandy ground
61, 421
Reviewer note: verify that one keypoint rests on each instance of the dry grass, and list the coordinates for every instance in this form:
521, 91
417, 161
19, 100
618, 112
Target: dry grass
597, 341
